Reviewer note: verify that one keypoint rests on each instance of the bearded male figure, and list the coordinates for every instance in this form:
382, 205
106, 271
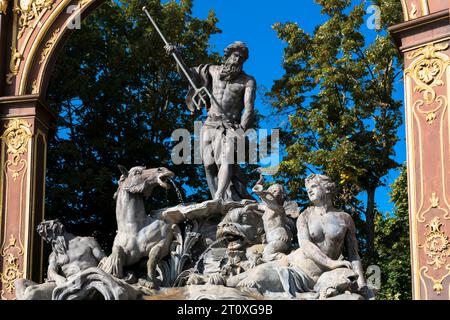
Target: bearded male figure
70, 255
230, 114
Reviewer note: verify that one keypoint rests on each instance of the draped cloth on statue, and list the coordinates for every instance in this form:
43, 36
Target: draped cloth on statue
295, 280
85, 284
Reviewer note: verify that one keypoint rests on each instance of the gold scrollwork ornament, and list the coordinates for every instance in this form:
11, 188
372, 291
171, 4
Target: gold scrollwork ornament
438, 286
28, 10
11, 269
16, 137
3, 6
49, 45
10, 274
437, 246
427, 72
14, 65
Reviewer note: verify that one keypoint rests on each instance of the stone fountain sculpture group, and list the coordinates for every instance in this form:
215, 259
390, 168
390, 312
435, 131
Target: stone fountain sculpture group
230, 247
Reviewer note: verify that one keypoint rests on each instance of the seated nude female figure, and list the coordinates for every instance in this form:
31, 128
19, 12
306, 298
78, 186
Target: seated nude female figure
322, 234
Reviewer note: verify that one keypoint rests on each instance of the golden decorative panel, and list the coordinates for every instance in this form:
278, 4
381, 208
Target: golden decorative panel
437, 283
436, 245
427, 119
49, 45
11, 268
427, 71
3, 6
28, 10
14, 65
434, 204
16, 137
34, 87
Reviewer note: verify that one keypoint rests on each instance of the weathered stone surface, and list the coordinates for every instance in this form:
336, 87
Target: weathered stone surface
230, 95
138, 236
164, 248
203, 292
72, 271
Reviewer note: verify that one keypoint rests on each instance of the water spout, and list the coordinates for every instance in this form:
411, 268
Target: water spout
179, 194
202, 256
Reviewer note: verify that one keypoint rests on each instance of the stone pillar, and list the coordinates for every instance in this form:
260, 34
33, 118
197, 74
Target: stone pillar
24, 125
424, 41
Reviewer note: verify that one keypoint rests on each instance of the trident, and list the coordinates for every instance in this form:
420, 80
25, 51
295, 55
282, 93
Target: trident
198, 92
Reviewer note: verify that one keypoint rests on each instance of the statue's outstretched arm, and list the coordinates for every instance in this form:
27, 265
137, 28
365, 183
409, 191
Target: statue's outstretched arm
172, 49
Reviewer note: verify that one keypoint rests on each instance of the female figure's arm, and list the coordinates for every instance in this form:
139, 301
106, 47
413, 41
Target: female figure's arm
312, 251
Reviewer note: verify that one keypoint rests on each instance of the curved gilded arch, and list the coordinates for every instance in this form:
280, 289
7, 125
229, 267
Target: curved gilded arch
38, 37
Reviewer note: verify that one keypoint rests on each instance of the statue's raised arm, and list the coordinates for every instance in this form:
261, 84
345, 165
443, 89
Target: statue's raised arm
201, 95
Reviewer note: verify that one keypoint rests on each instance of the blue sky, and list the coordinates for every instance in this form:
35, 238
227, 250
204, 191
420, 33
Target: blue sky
251, 21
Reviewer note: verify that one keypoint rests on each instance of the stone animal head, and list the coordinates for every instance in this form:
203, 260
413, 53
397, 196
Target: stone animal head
139, 180
242, 228
336, 282
51, 230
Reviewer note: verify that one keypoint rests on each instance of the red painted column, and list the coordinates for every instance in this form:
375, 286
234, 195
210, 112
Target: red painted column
24, 122
424, 40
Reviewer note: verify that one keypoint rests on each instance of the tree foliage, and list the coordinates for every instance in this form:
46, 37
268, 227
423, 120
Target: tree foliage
119, 98
337, 92
392, 245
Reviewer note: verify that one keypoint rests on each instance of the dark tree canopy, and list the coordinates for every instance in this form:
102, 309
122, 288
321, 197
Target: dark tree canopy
119, 98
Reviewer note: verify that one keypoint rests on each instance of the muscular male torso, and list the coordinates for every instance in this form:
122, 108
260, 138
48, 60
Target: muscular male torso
79, 256
229, 95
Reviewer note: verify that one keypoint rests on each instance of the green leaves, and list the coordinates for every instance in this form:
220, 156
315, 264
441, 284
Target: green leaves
338, 93
392, 245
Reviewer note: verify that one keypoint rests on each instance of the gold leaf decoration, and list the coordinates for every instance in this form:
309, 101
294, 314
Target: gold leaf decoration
11, 269
28, 10
434, 200
434, 204
16, 137
438, 287
436, 245
427, 72
431, 116
14, 64
49, 45
34, 87
10, 274
3, 6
